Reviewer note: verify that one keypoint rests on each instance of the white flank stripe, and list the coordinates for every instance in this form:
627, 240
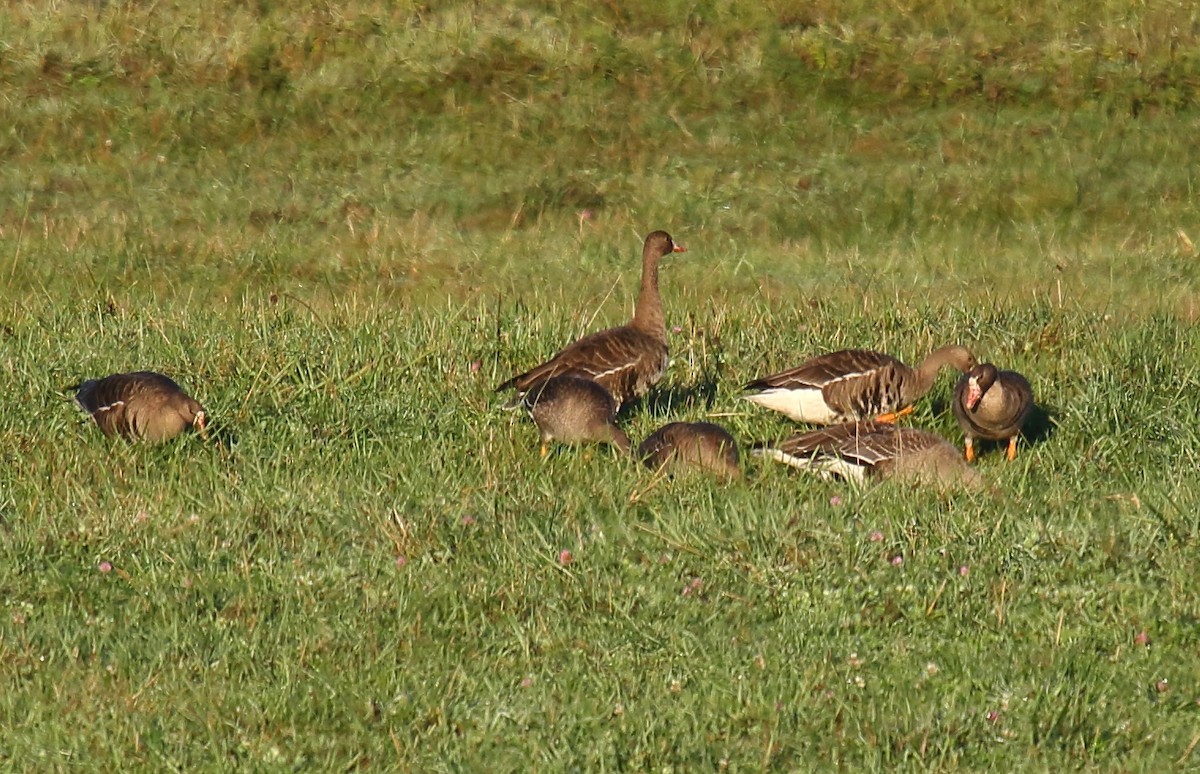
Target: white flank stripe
823, 466
617, 370
845, 469
855, 375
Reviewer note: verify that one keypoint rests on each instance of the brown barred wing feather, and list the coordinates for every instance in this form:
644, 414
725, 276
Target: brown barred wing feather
825, 369
624, 360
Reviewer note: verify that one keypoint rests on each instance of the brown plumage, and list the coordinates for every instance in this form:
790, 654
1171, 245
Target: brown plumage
140, 406
875, 450
627, 360
854, 384
692, 445
573, 410
992, 404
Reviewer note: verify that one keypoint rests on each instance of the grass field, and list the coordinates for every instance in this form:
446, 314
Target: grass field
340, 227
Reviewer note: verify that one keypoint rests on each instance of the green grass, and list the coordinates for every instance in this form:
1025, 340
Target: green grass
340, 228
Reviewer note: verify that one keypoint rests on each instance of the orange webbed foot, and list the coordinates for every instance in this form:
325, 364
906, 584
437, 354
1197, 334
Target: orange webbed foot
892, 416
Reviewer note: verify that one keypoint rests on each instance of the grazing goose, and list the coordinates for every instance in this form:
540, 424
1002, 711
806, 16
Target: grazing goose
140, 406
992, 404
875, 450
572, 410
696, 445
626, 360
854, 384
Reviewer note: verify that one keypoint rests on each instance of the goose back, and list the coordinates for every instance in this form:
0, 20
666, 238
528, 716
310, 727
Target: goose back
142, 405
573, 410
692, 445
625, 361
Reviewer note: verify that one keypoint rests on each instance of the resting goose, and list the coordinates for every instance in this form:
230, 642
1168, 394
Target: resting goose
992, 404
854, 384
875, 450
695, 445
626, 360
140, 406
573, 410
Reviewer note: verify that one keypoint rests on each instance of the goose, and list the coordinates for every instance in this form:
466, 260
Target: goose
865, 450
992, 404
695, 445
854, 385
140, 406
573, 410
627, 360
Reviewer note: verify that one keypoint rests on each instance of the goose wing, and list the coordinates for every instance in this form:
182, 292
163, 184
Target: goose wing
623, 360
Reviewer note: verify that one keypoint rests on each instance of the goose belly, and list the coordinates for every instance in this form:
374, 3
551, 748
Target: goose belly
994, 418
801, 405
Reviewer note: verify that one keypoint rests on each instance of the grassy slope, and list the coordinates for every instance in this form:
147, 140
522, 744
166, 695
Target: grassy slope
324, 218
405, 149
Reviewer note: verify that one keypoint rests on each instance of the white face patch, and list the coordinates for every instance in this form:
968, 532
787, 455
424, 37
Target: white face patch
974, 394
802, 405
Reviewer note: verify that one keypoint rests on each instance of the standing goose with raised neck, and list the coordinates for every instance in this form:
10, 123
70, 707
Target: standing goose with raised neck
993, 405
854, 385
141, 406
627, 360
573, 410
692, 446
875, 450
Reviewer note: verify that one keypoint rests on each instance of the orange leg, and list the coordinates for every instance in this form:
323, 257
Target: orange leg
545, 449
891, 417
1012, 448
970, 450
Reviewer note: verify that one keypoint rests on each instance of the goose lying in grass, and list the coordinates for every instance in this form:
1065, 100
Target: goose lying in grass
875, 450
